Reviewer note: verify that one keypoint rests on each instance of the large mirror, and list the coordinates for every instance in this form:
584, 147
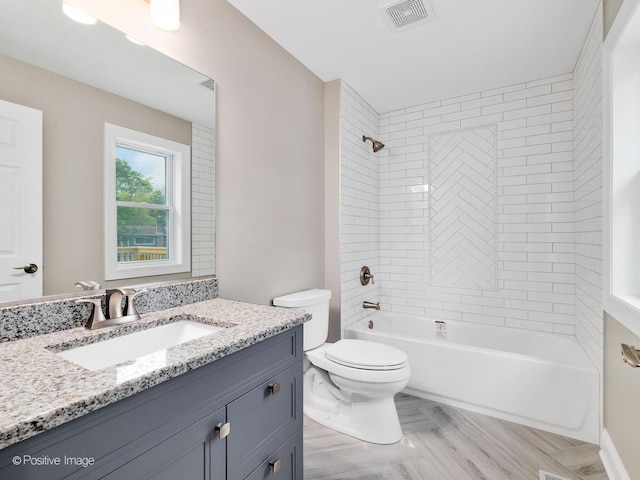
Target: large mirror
81, 77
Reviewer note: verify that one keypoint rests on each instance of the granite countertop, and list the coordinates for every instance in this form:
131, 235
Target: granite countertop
39, 390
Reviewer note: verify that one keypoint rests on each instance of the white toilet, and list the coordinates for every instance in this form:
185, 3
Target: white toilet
348, 385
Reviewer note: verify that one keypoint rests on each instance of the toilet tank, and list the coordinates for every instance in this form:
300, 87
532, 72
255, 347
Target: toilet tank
315, 302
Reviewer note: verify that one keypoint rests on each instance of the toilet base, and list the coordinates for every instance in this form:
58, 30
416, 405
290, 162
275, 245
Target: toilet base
369, 431
373, 420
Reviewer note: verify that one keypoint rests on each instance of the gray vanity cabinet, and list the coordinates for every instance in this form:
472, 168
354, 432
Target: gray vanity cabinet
287, 458
194, 453
168, 432
266, 416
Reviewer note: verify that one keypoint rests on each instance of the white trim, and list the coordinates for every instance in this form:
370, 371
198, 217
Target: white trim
606, 165
180, 190
610, 458
620, 23
626, 312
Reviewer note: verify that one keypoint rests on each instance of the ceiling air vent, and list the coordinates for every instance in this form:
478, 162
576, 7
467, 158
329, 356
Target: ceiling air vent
407, 13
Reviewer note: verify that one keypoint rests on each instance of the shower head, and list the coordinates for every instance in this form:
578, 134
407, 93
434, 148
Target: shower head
377, 146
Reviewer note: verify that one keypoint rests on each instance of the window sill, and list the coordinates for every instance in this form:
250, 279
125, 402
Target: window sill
140, 270
625, 309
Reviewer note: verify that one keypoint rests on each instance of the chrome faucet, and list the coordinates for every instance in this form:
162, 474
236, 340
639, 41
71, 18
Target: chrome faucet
375, 306
117, 314
114, 302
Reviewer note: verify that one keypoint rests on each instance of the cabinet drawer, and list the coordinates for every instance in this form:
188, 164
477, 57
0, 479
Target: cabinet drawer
289, 462
262, 418
196, 453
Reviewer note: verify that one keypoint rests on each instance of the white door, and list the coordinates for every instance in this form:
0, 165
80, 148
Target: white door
20, 202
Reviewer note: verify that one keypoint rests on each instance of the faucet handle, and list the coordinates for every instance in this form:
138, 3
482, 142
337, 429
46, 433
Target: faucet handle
88, 285
97, 315
131, 293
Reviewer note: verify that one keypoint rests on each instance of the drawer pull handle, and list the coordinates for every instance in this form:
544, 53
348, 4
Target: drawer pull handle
223, 429
274, 466
274, 388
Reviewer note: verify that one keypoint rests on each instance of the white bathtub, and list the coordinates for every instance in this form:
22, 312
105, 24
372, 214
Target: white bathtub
542, 380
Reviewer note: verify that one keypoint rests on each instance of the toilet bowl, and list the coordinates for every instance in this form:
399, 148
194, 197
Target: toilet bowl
348, 385
354, 396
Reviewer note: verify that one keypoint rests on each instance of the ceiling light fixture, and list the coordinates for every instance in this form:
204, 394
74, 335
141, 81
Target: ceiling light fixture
74, 13
165, 14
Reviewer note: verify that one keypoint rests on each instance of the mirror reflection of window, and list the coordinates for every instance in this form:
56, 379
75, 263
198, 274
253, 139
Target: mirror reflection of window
147, 211
141, 181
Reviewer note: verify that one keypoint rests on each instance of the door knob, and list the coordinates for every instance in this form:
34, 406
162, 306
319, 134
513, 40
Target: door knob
28, 268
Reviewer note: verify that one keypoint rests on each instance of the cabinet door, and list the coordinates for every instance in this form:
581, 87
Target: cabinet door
283, 464
195, 453
262, 420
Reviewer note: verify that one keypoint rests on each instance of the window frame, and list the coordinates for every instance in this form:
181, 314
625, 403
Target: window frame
621, 297
178, 198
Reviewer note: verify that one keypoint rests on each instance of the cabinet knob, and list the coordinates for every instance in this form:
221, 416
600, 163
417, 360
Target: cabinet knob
274, 466
223, 429
274, 388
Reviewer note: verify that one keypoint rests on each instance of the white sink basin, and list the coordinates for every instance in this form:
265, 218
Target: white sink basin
114, 351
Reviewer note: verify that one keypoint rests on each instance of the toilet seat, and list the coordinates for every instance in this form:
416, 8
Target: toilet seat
318, 357
366, 355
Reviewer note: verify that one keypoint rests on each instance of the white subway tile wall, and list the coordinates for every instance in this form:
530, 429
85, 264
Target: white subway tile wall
533, 218
203, 217
359, 204
588, 166
548, 208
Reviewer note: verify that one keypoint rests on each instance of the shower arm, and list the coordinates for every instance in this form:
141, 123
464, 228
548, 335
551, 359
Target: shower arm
377, 145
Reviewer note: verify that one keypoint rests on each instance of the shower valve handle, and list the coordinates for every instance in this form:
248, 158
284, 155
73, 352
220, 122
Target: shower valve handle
365, 276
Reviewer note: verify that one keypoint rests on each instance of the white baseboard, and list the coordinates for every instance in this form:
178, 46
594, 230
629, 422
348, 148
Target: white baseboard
610, 458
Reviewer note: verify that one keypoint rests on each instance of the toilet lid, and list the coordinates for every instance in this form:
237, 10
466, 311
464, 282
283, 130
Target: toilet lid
366, 355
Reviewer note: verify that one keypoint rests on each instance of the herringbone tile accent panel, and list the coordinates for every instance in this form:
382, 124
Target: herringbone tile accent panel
462, 209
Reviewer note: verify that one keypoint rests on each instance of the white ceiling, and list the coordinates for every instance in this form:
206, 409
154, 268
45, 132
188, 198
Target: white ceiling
471, 45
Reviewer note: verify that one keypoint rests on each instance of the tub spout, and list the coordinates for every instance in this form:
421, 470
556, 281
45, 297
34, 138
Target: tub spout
375, 306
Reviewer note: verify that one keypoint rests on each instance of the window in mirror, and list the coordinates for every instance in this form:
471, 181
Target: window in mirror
141, 180
147, 206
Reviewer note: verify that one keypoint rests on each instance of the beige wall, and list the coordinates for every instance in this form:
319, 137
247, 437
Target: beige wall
73, 131
621, 395
332, 202
610, 10
270, 155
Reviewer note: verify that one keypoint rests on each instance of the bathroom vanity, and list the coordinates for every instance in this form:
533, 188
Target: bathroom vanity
224, 406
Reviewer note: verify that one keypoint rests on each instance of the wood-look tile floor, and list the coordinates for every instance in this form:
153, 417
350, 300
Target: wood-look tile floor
445, 443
